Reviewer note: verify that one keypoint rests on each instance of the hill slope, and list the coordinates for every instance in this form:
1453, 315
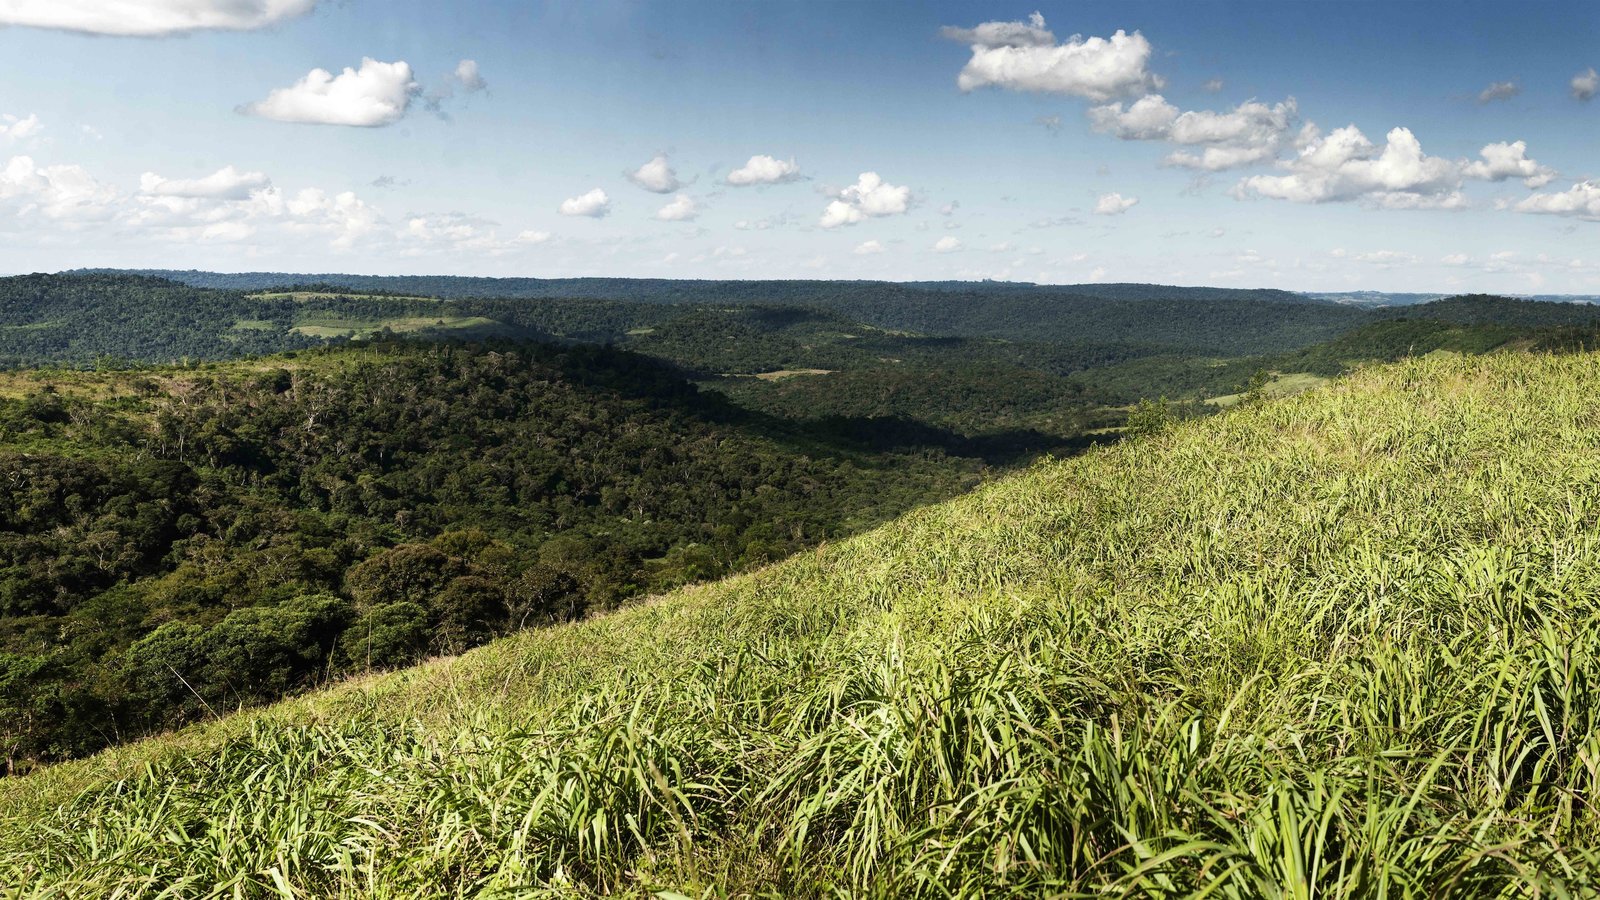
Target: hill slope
1343, 644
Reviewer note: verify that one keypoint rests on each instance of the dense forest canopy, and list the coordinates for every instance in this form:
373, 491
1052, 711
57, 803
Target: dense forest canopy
257, 526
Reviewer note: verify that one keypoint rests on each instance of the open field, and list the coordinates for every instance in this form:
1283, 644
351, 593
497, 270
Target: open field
361, 328
1340, 644
303, 296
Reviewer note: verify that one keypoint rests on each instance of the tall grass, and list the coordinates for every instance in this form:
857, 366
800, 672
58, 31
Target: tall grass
1342, 645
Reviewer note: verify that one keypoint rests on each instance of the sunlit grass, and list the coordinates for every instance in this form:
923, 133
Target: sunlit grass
1343, 644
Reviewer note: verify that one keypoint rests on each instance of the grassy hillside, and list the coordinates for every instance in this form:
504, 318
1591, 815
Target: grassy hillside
1341, 644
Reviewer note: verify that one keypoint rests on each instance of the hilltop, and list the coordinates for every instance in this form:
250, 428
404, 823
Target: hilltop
1341, 644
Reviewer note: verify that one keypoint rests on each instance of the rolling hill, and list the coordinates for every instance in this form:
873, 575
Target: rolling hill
1342, 644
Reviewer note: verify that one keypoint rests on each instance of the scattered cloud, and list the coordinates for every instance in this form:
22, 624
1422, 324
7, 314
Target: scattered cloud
1213, 86
949, 209
763, 169
682, 209
594, 204
16, 128
1344, 166
379, 93
869, 197
1582, 201
227, 183
1114, 204
150, 18
868, 248
1456, 259
1499, 90
1585, 84
1509, 160
947, 244
387, 181
468, 77
1251, 132
1024, 56
1386, 258
656, 176
1050, 123
62, 193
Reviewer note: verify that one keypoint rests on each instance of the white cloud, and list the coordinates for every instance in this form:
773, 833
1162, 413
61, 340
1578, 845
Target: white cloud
1386, 258
1344, 165
1213, 86
531, 238
63, 193
379, 93
656, 176
594, 204
946, 244
1024, 56
227, 183
1585, 84
868, 248
1249, 133
1499, 90
1114, 204
14, 128
1456, 259
468, 76
1503, 160
949, 209
150, 18
681, 209
343, 218
1582, 201
763, 169
869, 197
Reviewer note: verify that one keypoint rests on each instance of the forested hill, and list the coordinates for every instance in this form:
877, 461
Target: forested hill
678, 290
256, 526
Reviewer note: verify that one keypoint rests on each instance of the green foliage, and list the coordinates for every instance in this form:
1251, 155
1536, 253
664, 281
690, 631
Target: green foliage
163, 529
1149, 417
1340, 645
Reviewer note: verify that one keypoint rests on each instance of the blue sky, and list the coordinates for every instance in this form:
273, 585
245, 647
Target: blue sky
1315, 145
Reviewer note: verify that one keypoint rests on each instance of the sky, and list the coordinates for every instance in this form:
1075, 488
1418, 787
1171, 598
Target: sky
1398, 146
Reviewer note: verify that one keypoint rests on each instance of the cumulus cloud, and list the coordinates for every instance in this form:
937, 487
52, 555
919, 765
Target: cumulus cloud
1344, 165
1582, 201
379, 93
1114, 204
656, 176
1509, 160
15, 128
1585, 84
63, 193
1248, 133
227, 183
763, 169
681, 209
1024, 56
594, 204
1499, 90
150, 18
946, 244
869, 197
468, 77
868, 248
